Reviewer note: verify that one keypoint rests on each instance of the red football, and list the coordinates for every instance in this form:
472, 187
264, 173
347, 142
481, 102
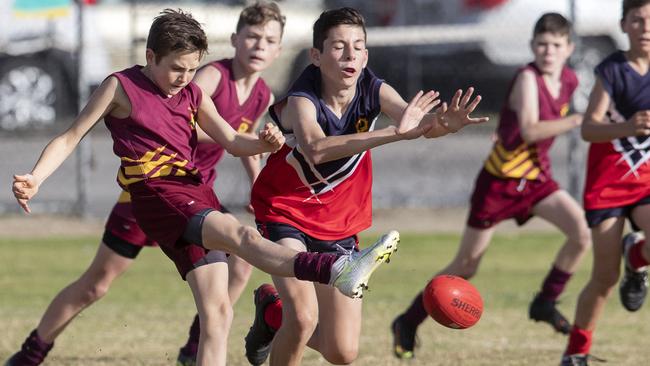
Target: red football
453, 302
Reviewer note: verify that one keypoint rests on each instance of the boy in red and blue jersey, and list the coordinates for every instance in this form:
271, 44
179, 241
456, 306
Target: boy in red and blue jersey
617, 186
314, 194
152, 113
516, 180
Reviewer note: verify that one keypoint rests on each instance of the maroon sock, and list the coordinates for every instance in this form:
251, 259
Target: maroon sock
191, 348
273, 315
415, 314
554, 284
33, 351
314, 267
579, 341
635, 256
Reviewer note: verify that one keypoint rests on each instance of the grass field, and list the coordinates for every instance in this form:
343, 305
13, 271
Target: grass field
145, 317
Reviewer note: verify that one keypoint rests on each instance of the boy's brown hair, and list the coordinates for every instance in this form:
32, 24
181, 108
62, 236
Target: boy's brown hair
629, 5
176, 31
332, 18
554, 23
261, 13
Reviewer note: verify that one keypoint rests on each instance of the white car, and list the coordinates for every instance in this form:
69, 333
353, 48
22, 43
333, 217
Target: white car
39, 71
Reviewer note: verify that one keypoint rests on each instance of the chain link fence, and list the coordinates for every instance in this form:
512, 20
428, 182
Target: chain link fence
413, 44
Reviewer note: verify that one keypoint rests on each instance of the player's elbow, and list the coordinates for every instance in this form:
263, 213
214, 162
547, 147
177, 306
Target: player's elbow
313, 154
529, 137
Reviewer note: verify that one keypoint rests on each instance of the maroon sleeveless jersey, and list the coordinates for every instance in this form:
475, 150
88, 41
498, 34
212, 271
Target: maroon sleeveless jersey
511, 156
159, 138
240, 116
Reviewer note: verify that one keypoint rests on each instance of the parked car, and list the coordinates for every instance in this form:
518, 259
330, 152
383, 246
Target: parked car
38, 63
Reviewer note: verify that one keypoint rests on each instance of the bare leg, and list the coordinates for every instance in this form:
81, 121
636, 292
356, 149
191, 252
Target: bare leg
299, 315
641, 216
209, 286
239, 271
604, 274
227, 234
564, 213
472, 246
90, 287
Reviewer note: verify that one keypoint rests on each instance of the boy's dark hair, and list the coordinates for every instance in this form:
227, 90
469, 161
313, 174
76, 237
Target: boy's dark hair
554, 23
332, 18
261, 13
629, 5
174, 31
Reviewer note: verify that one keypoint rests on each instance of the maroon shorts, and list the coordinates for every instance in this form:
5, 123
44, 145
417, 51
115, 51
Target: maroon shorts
496, 199
163, 207
121, 224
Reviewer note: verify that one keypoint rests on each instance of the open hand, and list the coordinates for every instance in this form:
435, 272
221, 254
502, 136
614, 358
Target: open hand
24, 188
456, 115
272, 136
410, 125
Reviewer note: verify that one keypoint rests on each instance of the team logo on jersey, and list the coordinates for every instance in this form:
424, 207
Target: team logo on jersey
362, 124
192, 121
245, 125
564, 110
635, 152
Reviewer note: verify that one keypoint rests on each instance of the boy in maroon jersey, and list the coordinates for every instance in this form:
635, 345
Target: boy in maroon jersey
314, 195
242, 98
516, 180
617, 185
152, 113
123, 239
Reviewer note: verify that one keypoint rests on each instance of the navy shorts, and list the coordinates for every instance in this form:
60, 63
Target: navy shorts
595, 217
275, 231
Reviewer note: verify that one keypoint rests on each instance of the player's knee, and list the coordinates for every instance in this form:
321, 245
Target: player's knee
301, 323
249, 235
341, 356
582, 239
217, 319
467, 269
94, 291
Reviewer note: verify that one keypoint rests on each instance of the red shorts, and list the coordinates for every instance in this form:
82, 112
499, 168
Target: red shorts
163, 208
496, 199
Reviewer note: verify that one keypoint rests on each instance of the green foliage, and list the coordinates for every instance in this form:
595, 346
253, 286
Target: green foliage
145, 317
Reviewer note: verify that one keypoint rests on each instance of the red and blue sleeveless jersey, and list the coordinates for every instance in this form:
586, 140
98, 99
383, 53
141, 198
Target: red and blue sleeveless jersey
159, 138
513, 158
331, 200
618, 173
240, 116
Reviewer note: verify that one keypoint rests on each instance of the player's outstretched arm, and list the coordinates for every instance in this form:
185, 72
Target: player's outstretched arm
101, 102
598, 128
270, 139
299, 115
409, 117
455, 116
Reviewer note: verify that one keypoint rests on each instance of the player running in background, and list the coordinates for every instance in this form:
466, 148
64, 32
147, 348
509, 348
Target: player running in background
617, 186
516, 180
152, 112
314, 195
257, 45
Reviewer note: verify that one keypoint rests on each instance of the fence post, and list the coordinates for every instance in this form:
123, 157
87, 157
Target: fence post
84, 149
573, 159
